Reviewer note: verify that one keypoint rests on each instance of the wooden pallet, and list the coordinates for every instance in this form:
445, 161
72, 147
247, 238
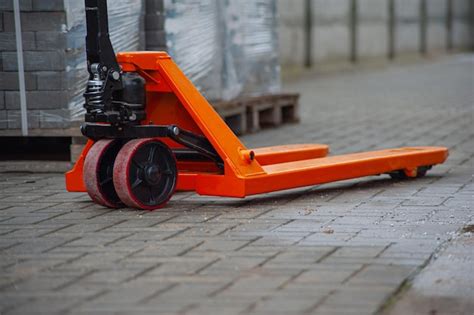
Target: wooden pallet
254, 113
271, 111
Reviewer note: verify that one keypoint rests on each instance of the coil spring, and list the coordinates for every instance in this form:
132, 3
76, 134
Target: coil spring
94, 96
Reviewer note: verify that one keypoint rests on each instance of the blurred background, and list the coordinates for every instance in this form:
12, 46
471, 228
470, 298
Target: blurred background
236, 52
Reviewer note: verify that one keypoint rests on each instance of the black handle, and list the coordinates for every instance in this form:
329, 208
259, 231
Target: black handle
98, 44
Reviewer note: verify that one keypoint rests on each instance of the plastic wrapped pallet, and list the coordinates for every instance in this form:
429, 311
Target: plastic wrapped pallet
55, 62
228, 48
250, 41
193, 40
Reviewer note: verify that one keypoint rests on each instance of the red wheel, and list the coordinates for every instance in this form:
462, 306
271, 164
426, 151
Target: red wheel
98, 173
145, 174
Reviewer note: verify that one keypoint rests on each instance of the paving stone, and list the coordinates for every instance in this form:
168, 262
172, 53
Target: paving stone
382, 274
36, 21
8, 41
282, 305
324, 274
254, 284
35, 61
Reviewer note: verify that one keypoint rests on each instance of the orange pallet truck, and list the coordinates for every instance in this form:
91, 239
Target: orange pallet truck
151, 133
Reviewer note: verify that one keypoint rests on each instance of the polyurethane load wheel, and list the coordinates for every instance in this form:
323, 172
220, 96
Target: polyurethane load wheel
401, 175
145, 174
98, 173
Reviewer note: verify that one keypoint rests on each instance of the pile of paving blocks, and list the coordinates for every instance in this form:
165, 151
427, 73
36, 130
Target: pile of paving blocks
53, 33
43, 42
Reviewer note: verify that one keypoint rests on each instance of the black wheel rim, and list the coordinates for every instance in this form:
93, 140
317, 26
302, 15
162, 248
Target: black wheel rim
106, 170
152, 174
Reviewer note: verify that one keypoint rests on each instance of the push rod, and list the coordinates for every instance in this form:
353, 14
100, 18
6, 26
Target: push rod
98, 45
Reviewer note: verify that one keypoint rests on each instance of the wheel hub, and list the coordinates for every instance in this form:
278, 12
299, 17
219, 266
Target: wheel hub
145, 174
152, 174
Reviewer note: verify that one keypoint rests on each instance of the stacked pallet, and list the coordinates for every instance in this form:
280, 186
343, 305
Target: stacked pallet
53, 35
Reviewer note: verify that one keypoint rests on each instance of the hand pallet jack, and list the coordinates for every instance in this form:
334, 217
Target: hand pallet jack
151, 133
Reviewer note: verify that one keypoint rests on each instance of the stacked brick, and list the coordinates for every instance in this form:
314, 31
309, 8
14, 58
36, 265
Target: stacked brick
53, 33
44, 40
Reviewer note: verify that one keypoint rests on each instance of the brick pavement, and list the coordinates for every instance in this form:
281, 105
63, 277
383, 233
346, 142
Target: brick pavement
446, 285
341, 248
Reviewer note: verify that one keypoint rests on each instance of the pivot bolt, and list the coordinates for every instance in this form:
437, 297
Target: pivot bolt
115, 75
175, 131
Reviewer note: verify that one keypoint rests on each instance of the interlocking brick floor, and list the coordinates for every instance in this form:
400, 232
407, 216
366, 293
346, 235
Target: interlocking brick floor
341, 248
